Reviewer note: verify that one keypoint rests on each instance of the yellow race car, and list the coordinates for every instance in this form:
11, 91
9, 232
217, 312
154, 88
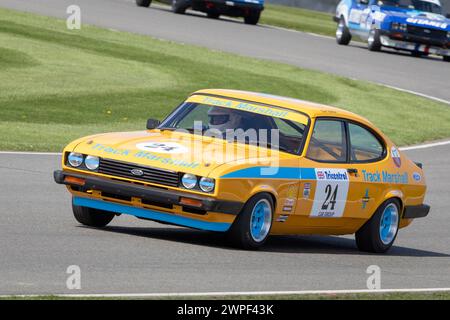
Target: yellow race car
251, 165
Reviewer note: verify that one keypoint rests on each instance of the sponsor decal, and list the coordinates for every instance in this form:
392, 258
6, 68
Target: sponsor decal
162, 147
144, 155
282, 218
287, 209
306, 190
385, 177
365, 199
427, 22
330, 196
395, 154
417, 176
289, 202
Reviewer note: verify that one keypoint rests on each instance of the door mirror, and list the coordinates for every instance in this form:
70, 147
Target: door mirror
152, 124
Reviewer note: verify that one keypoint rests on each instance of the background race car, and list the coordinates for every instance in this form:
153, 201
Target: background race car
250, 10
417, 26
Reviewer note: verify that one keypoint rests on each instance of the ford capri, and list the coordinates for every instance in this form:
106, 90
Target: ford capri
249, 165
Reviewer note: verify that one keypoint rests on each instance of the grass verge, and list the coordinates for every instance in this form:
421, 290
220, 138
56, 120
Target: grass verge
299, 19
355, 296
57, 85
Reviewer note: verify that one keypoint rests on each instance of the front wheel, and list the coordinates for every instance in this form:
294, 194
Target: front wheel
374, 40
179, 6
446, 58
378, 234
143, 3
92, 217
343, 35
251, 228
252, 17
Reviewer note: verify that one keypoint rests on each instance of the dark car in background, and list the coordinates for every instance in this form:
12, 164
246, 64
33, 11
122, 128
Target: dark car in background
250, 10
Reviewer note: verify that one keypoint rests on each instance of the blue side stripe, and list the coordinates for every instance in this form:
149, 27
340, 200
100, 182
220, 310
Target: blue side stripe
273, 173
151, 214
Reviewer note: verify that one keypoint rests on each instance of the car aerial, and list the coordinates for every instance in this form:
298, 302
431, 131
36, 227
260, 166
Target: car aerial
250, 10
416, 26
249, 165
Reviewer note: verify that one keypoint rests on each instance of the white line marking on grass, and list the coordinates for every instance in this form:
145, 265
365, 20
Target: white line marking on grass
415, 93
245, 293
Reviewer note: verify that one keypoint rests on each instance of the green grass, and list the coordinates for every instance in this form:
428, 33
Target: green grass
355, 296
299, 19
57, 85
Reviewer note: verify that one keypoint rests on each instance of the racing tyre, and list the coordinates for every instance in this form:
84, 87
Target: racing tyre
143, 3
252, 17
92, 217
343, 35
418, 54
252, 226
378, 234
446, 58
374, 42
213, 15
179, 6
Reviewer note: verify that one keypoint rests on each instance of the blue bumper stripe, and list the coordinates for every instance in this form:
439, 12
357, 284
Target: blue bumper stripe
273, 173
151, 214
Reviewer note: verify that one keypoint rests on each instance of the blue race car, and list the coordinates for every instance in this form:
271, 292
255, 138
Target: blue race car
249, 9
417, 26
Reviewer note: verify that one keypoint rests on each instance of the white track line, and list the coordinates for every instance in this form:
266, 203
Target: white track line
31, 153
425, 146
222, 294
415, 93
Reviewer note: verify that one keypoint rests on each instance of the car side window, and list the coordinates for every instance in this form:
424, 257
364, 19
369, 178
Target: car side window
328, 142
364, 145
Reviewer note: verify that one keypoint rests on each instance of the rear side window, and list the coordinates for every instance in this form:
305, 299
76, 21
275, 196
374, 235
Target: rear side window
328, 142
364, 145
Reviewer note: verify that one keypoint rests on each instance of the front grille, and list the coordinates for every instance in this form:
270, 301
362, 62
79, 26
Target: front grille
434, 34
151, 175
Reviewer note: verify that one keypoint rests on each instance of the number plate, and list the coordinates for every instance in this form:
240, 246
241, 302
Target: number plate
330, 196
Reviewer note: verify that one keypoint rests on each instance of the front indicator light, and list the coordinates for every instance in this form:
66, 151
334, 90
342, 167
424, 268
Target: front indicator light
190, 202
74, 180
92, 162
75, 159
189, 181
207, 184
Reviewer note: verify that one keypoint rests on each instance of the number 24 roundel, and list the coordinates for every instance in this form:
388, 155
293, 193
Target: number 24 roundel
331, 193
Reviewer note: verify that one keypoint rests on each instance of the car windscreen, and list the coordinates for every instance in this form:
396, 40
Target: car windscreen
432, 6
239, 126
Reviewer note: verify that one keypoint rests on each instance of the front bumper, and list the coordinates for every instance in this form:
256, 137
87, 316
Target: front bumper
109, 190
227, 7
387, 41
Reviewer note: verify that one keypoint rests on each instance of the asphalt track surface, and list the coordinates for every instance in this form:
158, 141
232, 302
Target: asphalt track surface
39, 238
430, 76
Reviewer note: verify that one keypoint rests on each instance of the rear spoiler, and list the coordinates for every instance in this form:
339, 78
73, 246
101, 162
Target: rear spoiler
418, 164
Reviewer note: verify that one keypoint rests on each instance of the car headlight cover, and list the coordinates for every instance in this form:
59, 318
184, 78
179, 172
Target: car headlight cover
189, 180
92, 162
207, 184
75, 159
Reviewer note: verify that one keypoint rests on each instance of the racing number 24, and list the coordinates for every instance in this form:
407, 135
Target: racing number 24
330, 197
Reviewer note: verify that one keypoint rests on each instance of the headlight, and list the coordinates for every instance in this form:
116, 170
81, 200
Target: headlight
189, 181
399, 26
75, 159
207, 184
92, 162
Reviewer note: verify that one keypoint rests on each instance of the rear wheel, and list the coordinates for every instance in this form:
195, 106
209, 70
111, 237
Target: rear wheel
143, 3
374, 41
379, 233
343, 35
92, 217
446, 58
252, 227
252, 17
418, 54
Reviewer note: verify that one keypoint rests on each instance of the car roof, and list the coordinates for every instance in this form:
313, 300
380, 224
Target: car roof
310, 108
